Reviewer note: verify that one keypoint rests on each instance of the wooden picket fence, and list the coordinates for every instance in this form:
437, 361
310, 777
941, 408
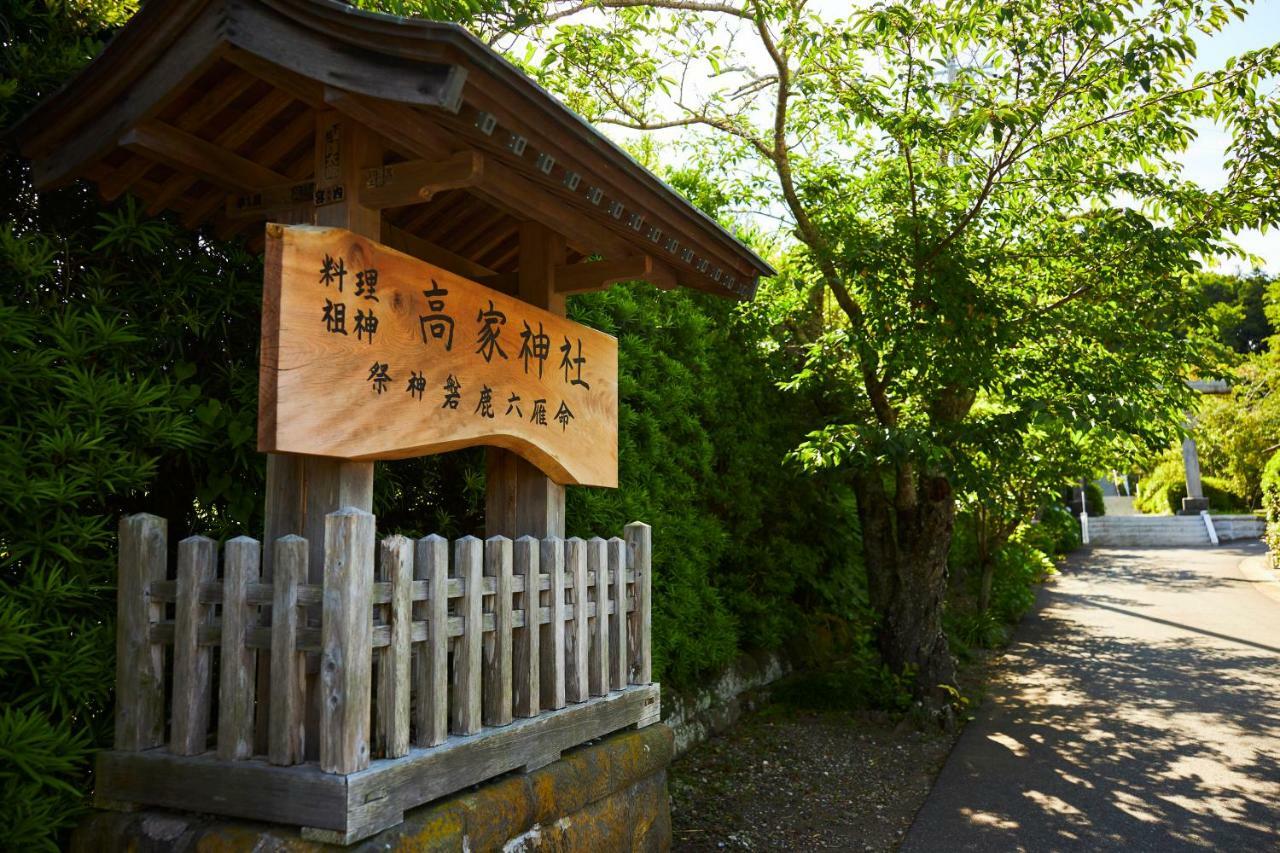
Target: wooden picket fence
426, 675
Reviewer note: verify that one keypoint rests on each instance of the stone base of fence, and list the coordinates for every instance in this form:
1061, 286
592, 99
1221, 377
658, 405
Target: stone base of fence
610, 795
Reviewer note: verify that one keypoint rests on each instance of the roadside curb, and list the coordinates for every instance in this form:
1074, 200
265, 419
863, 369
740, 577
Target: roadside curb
1257, 571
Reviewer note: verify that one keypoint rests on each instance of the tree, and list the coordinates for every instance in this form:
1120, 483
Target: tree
1236, 304
1238, 432
1014, 475
983, 198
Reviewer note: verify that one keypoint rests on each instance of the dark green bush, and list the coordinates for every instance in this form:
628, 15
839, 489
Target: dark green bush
1056, 531
703, 436
1093, 499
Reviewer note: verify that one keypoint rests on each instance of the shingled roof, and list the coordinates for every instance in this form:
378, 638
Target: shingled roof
208, 108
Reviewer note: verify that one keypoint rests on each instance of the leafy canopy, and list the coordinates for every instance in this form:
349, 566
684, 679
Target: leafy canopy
985, 197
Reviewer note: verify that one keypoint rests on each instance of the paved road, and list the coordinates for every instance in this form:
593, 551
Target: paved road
1139, 710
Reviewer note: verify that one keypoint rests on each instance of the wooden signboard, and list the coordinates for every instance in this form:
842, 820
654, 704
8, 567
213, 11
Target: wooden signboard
368, 353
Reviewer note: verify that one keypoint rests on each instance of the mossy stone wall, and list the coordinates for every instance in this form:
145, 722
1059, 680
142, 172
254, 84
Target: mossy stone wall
611, 795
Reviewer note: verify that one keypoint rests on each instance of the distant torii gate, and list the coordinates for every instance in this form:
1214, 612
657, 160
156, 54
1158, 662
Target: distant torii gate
1195, 502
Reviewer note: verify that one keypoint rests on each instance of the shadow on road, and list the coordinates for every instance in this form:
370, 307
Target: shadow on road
1120, 723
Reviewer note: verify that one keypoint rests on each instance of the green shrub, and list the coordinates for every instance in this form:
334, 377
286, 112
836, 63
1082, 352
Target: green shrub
1017, 567
1162, 491
1055, 531
736, 564
1271, 504
1093, 499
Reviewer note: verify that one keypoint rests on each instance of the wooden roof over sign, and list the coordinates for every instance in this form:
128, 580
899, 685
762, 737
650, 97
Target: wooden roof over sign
208, 108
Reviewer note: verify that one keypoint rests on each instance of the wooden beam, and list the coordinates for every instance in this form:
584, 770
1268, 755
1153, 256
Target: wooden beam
231, 137
268, 202
417, 181
184, 151
596, 275
411, 244
413, 131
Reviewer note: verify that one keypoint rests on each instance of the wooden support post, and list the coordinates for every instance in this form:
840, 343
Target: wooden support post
192, 669
525, 642
302, 490
287, 726
618, 623
552, 641
393, 660
431, 667
598, 656
346, 639
639, 538
575, 560
139, 661
519, 499
497, 643
238, 663
464, 704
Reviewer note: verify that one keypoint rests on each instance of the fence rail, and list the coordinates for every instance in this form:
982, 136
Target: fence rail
427, 672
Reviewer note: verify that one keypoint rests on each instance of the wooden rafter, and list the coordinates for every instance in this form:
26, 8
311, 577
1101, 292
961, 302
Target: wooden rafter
183, 150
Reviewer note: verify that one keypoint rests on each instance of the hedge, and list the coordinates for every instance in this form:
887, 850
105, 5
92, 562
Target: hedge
1271, 505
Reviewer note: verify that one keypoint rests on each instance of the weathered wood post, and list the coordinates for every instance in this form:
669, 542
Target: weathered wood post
287, 730
432, 665
618, 635
464, 717
346, 640
526, 640
238, 663
497, 643
639, 538
302, 490
139, 658
396, 568
192, 669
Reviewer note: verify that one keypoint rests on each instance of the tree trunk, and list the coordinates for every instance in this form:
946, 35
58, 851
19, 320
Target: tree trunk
905, 548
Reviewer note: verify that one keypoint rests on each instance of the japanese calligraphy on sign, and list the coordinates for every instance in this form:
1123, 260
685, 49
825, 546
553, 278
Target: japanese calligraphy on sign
368, 353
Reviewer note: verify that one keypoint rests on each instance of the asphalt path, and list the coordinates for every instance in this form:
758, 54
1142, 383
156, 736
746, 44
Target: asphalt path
1138, 709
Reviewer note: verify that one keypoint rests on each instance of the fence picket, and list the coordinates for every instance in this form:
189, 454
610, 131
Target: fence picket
286, 725
238, 664
346, 659
464, 692
431, 681
575, 558
526, 661
396, 567
618, 621
598, 652
552, 641
139, 661
639, 538
192, 673
497, 643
